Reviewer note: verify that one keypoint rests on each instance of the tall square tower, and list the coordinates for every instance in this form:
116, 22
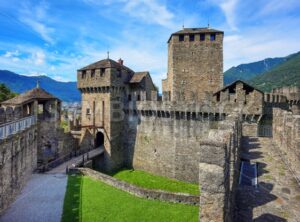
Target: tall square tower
195, 64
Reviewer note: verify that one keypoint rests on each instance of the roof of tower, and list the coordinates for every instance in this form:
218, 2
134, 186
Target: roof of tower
35, 93
105, 63
195, 31
138, 77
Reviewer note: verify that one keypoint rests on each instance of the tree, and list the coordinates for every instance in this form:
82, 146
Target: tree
5, 93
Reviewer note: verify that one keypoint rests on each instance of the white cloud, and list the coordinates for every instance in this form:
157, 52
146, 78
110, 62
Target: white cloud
39, 58
150, 11
229, 7
60, 78
44, 31
280, 6
34, 73
10, 54
35, 16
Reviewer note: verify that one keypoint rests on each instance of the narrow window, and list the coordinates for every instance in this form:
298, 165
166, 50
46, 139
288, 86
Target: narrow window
88, 111
83, 74
119, 73
181, 38
92, 73
192, 38
102, 71
202, 37
138, 98
212, 37
129, 97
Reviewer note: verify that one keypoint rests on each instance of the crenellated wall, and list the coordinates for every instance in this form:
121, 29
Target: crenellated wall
9, 114
18, 159
218, 171
286, 135
165, 146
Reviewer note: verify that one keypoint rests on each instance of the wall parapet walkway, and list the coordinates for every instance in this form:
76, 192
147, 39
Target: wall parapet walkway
218, 171
286, 135
14, 127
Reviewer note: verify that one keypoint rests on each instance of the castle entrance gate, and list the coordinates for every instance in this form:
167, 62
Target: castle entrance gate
99, 140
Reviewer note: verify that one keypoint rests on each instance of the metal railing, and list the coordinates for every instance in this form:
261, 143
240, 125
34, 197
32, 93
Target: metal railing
14, 127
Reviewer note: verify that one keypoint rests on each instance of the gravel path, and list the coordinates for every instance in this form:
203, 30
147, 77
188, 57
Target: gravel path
41, 200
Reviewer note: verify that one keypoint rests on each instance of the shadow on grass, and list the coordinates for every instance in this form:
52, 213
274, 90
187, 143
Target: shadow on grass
72, 201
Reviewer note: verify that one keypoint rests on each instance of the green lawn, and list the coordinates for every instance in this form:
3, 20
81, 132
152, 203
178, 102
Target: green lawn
150, 181
89, 200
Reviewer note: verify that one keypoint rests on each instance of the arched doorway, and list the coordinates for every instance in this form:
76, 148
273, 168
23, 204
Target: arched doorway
99, 140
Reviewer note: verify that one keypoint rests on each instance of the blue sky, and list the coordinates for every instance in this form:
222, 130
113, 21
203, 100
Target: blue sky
57, 37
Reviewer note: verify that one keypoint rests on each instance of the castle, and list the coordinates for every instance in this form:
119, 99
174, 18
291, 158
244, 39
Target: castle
193, 132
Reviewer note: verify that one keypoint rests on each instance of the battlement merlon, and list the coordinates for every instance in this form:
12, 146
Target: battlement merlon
104, 73
197, 32
206, 107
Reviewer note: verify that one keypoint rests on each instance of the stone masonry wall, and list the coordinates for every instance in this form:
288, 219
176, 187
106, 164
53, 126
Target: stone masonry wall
166, 146
53, 142
194, 62
286, 135
18, 159
218, 171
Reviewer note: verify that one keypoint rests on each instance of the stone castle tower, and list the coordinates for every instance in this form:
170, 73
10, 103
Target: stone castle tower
195, 64
106, 88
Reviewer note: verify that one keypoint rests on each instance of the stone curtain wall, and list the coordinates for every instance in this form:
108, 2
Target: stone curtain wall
165, 146
219, 170
18, 158
141, 192
286, 135
10, 114
53, 141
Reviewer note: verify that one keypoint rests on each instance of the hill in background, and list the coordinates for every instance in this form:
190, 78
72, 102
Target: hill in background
269, 73
285, 74
66, 91
251, 70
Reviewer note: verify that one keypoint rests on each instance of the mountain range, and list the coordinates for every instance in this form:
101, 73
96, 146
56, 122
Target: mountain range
267, 74
66, 91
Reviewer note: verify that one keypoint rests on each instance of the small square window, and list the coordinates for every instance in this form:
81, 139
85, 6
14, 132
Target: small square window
192, 38
119, 73
102, 71
212, 37
181, 38
83, 74
202, 37
92, 73
88, 111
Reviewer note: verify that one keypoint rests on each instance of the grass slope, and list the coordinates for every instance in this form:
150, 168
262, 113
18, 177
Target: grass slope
88, 200
150, 181
285, 74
